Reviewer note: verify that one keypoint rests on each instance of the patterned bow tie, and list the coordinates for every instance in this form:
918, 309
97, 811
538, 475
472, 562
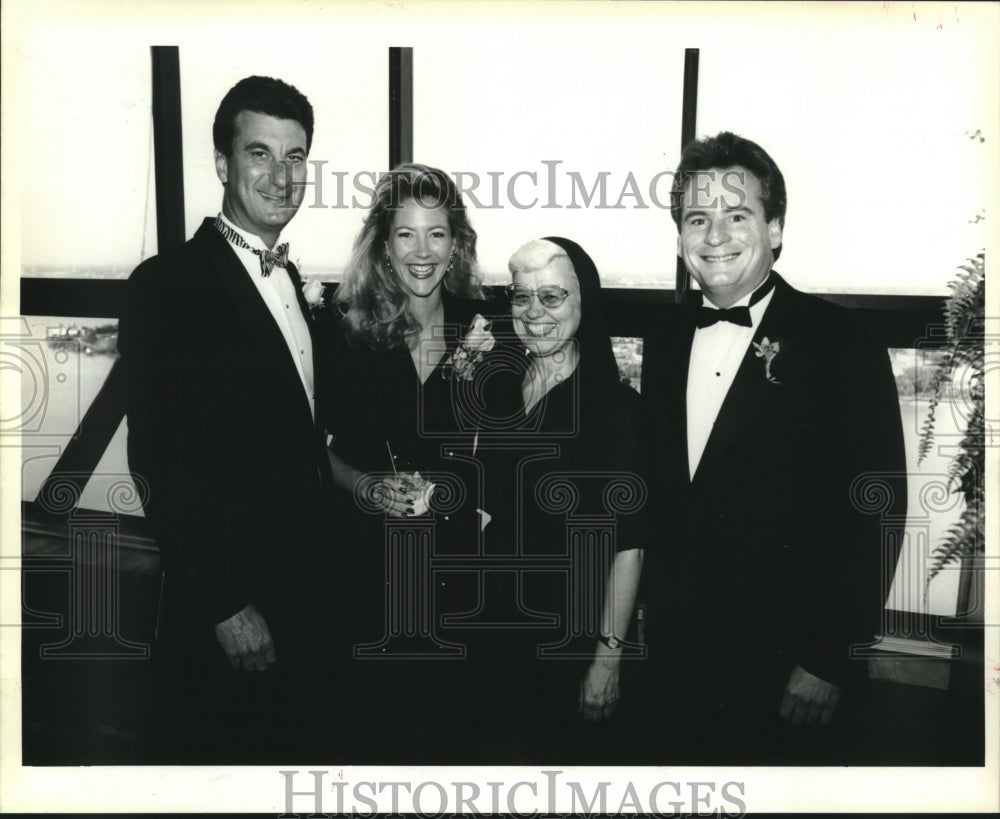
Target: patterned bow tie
269, 259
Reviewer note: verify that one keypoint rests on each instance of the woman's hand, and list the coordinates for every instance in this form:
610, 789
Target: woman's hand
599, 690
389, 494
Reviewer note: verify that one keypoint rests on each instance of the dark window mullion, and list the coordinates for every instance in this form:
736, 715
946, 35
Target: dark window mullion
168, 154
689, 122
400, 106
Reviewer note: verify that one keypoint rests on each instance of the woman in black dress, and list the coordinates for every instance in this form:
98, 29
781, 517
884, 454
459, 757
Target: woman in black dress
565, 496
408, 329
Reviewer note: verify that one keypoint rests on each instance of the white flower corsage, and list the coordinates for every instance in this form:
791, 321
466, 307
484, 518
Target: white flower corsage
768, 350
477, 342
313, 291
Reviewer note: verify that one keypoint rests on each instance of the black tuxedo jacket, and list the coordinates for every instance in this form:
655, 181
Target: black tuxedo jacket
219, 430
765, 559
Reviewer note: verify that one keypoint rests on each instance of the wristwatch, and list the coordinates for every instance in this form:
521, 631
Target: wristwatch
610, 641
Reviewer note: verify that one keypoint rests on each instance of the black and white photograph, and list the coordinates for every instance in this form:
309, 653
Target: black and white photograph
449, 408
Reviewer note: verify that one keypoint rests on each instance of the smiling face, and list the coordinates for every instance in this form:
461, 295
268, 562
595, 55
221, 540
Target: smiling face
545, 330
724, 240
419, 247
264, 175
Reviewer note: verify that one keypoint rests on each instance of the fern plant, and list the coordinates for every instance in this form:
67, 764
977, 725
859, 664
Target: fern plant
964, 322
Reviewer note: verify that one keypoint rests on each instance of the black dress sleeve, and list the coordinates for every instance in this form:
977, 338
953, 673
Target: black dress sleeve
616, 448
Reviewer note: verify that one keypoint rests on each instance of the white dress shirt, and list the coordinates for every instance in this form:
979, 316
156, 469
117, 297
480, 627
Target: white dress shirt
716, 354
279, 295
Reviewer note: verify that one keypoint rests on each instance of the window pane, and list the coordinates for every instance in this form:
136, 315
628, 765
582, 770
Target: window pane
348, 87
62, 364
628, 355
88, 207
557, 135
874, 129
932, 508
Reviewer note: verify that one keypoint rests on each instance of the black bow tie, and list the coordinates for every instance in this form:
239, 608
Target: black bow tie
706, 316
269, 259
734, 315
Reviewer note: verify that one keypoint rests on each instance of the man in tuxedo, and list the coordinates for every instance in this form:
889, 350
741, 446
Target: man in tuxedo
766, 407
216, 341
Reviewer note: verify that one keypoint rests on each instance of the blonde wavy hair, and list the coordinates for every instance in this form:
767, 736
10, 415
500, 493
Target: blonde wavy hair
371, 298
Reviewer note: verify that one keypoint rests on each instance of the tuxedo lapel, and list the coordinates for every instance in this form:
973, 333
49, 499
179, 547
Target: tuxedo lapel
267, 344
293, 274
750, 391
296, 280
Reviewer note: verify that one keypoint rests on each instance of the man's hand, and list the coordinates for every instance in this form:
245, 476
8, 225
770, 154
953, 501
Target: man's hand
599, 691
246, 640
808, 700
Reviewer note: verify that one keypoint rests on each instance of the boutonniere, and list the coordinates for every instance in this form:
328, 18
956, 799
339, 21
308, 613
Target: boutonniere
768, 350
477, 342
312, 292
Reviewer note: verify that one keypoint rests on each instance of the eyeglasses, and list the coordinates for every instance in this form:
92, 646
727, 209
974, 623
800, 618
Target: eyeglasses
550, 295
